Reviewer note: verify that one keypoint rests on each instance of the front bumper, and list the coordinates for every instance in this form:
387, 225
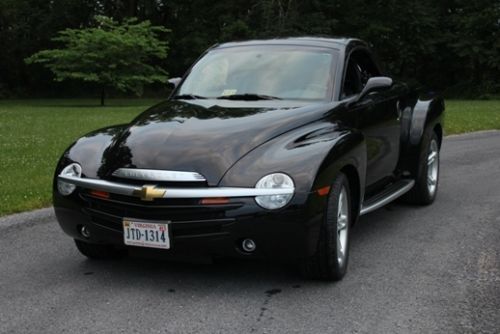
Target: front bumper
199, 230
138, 191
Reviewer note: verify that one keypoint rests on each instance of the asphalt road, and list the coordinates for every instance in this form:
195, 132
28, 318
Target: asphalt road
429, 269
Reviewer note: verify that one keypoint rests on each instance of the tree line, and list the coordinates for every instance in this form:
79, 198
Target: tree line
452, 46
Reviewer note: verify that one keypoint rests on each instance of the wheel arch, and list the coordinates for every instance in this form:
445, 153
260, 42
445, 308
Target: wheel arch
438, 129
355, 187
347, 156
425, 114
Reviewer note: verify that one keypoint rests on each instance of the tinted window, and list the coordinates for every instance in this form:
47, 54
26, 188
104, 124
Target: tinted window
360, 68
287, 73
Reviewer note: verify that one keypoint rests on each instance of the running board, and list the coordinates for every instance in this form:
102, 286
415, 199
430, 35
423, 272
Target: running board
387, 195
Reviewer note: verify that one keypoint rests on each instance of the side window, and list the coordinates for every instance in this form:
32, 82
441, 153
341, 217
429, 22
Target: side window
360, 68
367, 65
352, 80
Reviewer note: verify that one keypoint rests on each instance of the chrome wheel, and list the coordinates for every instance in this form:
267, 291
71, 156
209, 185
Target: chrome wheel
330, 260
432, 167
342, 226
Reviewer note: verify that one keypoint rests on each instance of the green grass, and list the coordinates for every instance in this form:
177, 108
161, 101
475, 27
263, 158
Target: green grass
468, 116
34, 133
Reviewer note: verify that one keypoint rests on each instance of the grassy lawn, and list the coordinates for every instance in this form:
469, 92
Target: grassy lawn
468, 116
34, 133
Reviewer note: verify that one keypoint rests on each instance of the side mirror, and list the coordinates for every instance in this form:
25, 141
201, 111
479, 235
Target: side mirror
375, 84
174, 82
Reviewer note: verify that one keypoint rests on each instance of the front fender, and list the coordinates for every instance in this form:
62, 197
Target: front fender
88, 150
311, 155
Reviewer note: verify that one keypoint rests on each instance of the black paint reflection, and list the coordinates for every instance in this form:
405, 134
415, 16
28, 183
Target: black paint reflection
179, 111
207, 137
116, 155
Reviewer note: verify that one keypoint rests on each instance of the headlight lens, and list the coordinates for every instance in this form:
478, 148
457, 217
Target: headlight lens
74, 170
274, 181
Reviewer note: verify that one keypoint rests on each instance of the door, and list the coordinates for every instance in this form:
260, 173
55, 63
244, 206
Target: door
377, 117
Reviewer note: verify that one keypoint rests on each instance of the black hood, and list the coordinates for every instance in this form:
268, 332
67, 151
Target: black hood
204, 136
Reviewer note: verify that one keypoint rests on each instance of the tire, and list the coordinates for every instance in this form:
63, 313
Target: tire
332, 254
99, 252
424, 191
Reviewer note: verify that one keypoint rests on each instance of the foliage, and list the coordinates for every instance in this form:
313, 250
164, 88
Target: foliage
26, 26
448, 45
111, 54
478, 47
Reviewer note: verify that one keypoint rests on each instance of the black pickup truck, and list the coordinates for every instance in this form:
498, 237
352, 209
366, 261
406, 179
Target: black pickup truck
265, 149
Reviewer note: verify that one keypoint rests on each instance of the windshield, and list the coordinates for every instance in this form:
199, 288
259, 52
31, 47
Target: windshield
262, 72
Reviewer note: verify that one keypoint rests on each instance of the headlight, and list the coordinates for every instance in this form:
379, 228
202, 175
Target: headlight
74, 170
274, 181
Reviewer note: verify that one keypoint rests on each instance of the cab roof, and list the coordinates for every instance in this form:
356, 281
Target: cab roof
333, 43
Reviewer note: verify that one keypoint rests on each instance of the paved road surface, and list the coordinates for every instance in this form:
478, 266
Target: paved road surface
412, 270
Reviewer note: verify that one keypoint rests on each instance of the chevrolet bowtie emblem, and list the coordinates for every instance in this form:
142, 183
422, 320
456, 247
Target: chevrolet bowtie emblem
149, 193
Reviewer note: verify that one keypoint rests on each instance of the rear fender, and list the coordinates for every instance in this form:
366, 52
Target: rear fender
425, 114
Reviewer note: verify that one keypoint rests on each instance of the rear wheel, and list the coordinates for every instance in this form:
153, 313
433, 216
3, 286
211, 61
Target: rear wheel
332, 254
426, 184
98, 251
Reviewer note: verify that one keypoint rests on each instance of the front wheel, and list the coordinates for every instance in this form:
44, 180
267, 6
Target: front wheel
332, 254
426, 183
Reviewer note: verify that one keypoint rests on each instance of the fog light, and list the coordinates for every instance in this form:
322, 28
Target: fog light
84, 231
248, 245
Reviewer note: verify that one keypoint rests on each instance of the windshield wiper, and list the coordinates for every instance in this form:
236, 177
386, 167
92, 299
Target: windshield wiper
188, 97
248, 97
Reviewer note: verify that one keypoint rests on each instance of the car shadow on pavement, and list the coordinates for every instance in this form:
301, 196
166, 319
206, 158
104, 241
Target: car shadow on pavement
382, 224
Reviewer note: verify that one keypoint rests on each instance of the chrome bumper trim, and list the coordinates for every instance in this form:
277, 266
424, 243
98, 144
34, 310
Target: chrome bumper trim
158, 175
132, 190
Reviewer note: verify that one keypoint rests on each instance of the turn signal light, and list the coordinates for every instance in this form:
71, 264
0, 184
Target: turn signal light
214, 201
100, 194
323, 191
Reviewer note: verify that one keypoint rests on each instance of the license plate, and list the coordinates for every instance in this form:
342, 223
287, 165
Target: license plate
144, 233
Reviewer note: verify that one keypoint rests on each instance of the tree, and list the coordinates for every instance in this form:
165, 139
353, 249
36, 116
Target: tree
112, 55
446, 45
476, 44
26, 27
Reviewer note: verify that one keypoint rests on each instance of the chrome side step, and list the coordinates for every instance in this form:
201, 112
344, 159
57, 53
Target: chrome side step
386, 196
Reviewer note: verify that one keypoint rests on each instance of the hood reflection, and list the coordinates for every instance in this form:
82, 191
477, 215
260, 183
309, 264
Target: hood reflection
204, 136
